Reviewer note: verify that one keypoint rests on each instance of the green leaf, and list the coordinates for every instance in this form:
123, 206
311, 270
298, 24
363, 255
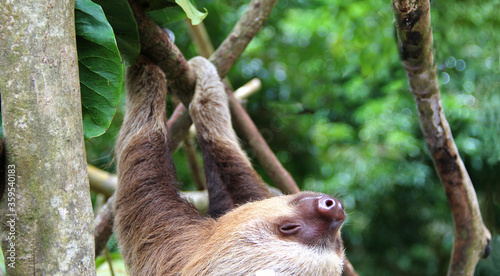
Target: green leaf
121, 18
166, 16
101, 69
192, 13
152, 5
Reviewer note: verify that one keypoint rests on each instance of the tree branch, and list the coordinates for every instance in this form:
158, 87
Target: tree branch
248, 26
415, 45
194, 166
101, 181
103, 223
248, 89
201, 39
243, 123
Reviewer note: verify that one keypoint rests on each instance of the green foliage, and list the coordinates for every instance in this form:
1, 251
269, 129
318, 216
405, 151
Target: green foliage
164, 12
167, 16
101, 70
336, 109
100, 65
151, 5
120, 17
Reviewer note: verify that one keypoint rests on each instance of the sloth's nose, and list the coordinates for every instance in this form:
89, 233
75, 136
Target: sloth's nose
331, 208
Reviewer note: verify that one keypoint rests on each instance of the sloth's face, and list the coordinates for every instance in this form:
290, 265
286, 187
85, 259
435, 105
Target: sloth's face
294, 234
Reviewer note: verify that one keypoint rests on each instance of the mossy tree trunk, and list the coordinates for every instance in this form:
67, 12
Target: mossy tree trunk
472, 238
47, 227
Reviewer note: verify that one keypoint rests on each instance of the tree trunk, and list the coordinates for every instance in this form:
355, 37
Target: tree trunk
46, 211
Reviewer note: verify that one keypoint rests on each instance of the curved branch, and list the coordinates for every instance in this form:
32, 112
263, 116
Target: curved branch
248, 26
472, 238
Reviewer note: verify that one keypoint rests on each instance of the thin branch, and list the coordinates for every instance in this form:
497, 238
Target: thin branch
348, 268
250, 23
199, 199
100, 200
178, 127
103, 225
201, 39
194, 165
243, 123
189, 147
472, 238
101, 181
107, 255
248, 89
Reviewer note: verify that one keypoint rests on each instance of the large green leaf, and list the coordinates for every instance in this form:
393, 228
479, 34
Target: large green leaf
192, 13
101, 69
152, 5
121, 18
166, 16
171, 14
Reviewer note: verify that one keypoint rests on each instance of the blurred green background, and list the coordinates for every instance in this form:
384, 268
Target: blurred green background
336, 109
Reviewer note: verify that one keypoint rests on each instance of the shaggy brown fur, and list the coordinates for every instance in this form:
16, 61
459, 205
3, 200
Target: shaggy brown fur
231, 179
160, 233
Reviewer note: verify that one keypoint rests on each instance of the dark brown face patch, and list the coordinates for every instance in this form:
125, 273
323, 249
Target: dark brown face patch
316, 221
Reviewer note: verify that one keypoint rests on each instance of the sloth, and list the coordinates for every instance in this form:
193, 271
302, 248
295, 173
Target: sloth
246, 231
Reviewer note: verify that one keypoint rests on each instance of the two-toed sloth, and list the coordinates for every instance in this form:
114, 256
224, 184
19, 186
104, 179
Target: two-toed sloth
247, 230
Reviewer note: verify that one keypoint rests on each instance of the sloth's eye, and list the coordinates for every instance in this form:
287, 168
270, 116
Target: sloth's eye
290, 228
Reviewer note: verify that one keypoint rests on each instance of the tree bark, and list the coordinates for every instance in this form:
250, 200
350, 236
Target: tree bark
415, 45
103, 222
47, 216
